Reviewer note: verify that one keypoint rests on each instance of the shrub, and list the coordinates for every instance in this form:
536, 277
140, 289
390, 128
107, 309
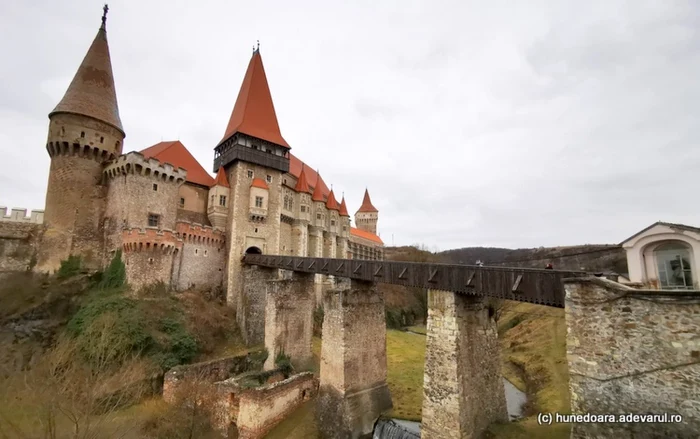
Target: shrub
180, 347
318, 321
69, 267
115, 275
283, 363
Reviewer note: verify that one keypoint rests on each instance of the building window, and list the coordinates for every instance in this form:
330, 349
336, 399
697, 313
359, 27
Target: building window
182, 202
196, 251
155, 187
318, 216
205, 253
258, 201
256, 230
82, 134
284, 181
222, 200
286, 202
250, 173
153, 220
269, 178
673, 263
303, 208
332, 222
345, 229
255, 146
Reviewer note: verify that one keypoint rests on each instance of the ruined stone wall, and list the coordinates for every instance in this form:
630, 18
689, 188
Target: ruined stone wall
633, 351
262, 408
75, 196
210, 371
462, 386
353, 390
289, 320
18, 245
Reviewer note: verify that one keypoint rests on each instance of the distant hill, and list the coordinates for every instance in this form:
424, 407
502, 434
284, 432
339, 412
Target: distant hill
589, 257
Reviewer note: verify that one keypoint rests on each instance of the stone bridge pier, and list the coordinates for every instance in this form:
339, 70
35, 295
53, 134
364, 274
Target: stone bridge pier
633, 352
289, 319
353, 390
462, 386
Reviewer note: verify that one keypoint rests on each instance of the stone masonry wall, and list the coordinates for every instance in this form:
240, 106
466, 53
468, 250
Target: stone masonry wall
633, 351
286, 241
251, 311
203, 257
148, 266
289, 320
18, 244
242, 232
462, 387
210, 371
260, 409
353, 390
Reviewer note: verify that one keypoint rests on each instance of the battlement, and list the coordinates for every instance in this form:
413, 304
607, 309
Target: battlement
200, 234
136, 163
98, 154
20, 215
150, 239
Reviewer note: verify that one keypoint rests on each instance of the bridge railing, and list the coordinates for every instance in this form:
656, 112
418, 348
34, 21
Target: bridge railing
543, 287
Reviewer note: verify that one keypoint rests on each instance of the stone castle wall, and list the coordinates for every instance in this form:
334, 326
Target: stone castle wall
202, 260
150, 256
20, 215
18, 245
633, 351
179, 377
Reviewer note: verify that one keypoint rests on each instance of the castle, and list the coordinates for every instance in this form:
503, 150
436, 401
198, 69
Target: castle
174, 222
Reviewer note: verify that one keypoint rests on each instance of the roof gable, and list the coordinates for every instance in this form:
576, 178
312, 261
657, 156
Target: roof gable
661, 227
366, 235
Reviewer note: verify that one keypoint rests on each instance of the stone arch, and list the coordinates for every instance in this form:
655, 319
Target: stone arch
671, 262
253, 250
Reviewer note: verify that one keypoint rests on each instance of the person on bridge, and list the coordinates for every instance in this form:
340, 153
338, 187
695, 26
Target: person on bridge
549, 267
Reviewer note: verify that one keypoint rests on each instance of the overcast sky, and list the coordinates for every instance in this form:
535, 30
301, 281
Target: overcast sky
498, 123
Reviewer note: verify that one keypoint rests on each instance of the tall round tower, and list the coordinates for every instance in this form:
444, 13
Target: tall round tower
85, 132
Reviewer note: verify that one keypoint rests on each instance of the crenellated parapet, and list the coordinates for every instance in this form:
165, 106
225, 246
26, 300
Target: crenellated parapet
200, 234
20, 215
150, 239
75, 149
136, 163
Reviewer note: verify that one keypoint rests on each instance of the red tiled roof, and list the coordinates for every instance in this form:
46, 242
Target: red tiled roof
343, 208
366, 235
259, 182
221, 179
254, 112
175, 153
312, 177
302, 184
318, 192
367, 204
332, 203
92, 92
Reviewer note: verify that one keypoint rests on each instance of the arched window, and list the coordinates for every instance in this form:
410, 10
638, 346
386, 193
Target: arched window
674, 266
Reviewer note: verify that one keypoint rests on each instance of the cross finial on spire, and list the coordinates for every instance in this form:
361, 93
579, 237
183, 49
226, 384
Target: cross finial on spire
258, 45
105, 9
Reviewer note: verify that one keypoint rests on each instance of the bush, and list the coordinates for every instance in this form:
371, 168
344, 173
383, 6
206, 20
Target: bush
69, 267
115, 275
283, 363
180, 347
399, 318
318, 321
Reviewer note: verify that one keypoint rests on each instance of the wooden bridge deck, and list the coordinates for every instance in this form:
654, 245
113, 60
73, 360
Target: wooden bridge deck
542, 287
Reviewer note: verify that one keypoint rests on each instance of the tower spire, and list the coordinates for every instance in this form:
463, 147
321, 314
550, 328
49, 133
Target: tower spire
92, 92
105, 9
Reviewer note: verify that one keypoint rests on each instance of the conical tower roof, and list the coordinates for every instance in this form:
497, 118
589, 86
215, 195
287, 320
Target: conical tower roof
367, 204
254, 112
332, 203
343, 208
302, 184
92, 92
221, 179
318, 191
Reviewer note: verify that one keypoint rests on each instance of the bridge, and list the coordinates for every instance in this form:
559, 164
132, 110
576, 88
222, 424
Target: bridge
618, 361
541, 287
